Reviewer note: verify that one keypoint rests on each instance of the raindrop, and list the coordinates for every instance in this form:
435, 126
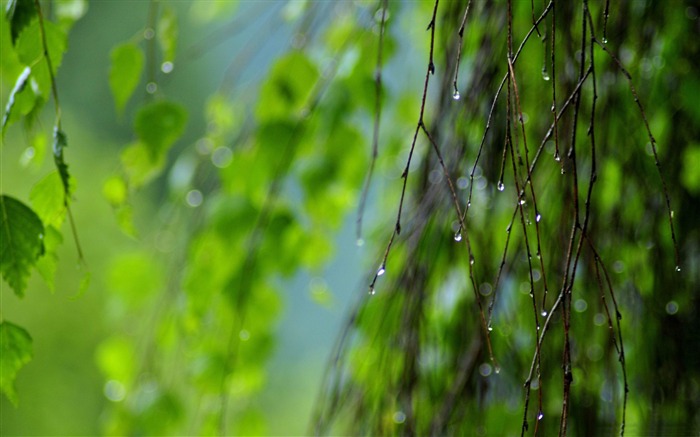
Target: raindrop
381, 270
469, 204
544, 313
678, 268
557, 157
672, 307
501, 187
538, 217
605, 40
167, 67
151, 87
458, 236
471, 259
538, 327
360, 242
672, 213
545, 73
456, 95
399, 417
540, 415
522, 201
497, 368
194, 198
371, 290
149, 33
490, 328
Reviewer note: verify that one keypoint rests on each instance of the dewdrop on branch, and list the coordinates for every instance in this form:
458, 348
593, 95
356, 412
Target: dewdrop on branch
456, 95
381, 270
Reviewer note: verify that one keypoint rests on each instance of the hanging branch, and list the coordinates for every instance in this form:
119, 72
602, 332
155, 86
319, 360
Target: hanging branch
456, 95
397, 228
59, 138
377, 115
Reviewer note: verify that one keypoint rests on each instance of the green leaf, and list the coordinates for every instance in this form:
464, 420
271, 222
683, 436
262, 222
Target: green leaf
125, 74
15, 352
167, 34
48, 264
287, 88
59, 143
22, 235
19, 13
47, 199
159, 125
139, 166
30, 50
20, 84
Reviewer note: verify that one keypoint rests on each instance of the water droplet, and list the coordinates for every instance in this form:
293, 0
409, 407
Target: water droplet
471, 259
545, 73
501, 187
149, 33
557, 157
381, 270
522, 201
605, 40
538, 327
456, 95
490, 328
544, 313
151, 87
540, 415
469, 204
458, 236
538, 217
167, 67
672, 214
497, 368
678, 268
563, 171
360, 242
371, 290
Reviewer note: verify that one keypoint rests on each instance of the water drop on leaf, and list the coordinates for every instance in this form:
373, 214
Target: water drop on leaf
605, 40
456, 95
497, 369
540, 415
544, 313
371, 291
381, 270
471, 259
360, 242
458, 236
538, 217
678, 268
501, 187
557, 157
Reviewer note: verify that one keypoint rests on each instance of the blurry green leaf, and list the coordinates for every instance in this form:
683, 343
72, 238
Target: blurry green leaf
69, 11
15, 352
167, 34
22, 233
287, 88
139, 167
690, 175
47, 199
19, 13
20, 84
125, 73
159, 125
209, 11
59, 143
115, 191
48, 264
117, 360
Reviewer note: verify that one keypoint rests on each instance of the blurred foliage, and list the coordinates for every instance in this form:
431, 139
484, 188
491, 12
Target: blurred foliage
230, 200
